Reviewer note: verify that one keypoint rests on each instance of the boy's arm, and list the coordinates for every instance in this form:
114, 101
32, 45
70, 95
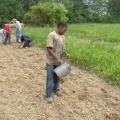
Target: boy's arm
51, 52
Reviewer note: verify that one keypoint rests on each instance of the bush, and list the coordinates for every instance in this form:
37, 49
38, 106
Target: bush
46, 14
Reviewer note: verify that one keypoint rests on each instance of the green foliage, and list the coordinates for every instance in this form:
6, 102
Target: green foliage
46, 14
114, 10
101, 32
97, 47
97, 9
28, 3
78, 12
10, 9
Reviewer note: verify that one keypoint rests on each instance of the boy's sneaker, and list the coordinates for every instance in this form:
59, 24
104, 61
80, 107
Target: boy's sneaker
49, 99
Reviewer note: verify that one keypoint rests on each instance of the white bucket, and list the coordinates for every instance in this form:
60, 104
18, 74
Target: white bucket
63, 70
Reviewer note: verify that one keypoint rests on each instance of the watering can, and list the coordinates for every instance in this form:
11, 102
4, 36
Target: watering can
63, 70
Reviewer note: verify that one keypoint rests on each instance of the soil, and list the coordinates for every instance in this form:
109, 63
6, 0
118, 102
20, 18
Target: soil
22, 90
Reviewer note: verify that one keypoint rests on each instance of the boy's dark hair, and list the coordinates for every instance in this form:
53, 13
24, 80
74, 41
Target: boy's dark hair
62, 24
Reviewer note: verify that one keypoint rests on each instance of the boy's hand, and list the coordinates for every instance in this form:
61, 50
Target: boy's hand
56, 59
59, 62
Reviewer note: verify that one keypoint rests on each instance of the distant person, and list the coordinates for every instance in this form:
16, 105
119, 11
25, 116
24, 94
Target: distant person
25, 40
18, 29
7, 33
55, 48
2, 34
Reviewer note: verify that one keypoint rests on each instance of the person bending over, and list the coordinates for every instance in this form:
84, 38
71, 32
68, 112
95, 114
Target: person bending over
25, 40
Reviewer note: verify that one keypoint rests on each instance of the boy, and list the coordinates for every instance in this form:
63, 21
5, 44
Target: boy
7, 33
55, 47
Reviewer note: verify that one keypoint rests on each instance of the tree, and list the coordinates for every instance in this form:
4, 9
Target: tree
46, 14
10, 9
28, 3
79, 12
114, 9
97, 9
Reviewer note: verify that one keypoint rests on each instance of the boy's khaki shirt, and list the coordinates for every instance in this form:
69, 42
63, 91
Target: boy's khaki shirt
56, 42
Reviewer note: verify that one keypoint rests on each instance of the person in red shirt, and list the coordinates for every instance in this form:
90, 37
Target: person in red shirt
7, 33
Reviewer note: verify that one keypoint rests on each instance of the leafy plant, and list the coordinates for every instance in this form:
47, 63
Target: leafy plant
46, 14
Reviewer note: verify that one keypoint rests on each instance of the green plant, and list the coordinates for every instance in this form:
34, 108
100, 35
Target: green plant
10, 9
46, 14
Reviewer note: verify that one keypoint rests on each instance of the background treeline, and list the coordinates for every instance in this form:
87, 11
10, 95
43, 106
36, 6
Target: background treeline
42, 12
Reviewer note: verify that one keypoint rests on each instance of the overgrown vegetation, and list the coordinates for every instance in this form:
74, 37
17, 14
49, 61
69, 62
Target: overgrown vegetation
79, 11
100, 33
101, 56
46, 14
10, 9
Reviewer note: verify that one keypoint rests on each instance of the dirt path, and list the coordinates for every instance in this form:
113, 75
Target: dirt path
22, 84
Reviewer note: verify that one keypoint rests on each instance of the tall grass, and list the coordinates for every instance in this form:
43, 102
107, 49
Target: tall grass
104, 32
100, 56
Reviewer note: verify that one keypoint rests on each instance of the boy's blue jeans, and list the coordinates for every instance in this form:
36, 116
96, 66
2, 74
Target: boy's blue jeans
53, 82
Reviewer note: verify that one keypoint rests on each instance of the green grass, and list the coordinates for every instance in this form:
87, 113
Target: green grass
104, 32
94, 46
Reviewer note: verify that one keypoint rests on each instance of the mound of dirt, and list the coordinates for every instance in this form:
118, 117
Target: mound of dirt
22, 88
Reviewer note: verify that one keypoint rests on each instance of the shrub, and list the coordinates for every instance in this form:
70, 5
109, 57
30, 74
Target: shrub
46, 14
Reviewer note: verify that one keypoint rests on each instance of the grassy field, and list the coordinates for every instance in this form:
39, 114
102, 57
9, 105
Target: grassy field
93, 46
102, 32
